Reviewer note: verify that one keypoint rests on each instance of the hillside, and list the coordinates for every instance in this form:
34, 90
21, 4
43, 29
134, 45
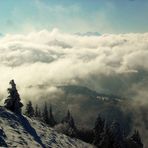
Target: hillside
20, 131
82, 90
87, 103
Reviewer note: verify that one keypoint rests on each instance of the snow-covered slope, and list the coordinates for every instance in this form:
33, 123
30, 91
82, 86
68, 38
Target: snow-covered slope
20, 131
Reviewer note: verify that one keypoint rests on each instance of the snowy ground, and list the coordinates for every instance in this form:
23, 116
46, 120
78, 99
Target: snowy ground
20, 131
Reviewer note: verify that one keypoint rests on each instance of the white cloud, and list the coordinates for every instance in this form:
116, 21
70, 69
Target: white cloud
55, 58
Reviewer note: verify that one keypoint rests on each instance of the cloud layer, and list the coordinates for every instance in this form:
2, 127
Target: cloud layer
109, 63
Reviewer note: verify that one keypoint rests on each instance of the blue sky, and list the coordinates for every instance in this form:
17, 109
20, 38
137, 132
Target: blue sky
104, 16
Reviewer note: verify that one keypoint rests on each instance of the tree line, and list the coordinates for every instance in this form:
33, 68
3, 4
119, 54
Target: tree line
103, 135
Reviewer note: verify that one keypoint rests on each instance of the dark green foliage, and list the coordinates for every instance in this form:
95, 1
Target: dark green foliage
85, 134
39, 113
107, 139
111, 136
69, 119
45, 114
51, 121
117, 135
29, 109
65, 128
98, 130
137, 139
108, 136
67, 125
12, 102
36, 113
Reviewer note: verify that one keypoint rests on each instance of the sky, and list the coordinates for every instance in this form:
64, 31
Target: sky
39, 50
103, 16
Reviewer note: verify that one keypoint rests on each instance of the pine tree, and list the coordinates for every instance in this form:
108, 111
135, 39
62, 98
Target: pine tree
137, 139
52, 121
107, 138
45, 114
39, 113
29, 109
68, 125
98, 130
12, 102
69, 119
117, 135
36, 113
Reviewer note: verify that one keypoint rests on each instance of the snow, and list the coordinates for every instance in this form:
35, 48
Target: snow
21, 131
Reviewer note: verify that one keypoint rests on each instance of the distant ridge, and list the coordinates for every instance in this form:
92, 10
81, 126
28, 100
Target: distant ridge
88, 34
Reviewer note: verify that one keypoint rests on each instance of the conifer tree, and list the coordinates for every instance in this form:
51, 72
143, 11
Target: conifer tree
69, 119
29, 109
45, 114
67, 126
36, 113
117, 135
39, 113
137, 139
12, 102
98, 130
52, 121
107, 138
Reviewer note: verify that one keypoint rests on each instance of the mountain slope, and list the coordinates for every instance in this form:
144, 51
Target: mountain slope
87, 103
77, 89
88, 34
20, 131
